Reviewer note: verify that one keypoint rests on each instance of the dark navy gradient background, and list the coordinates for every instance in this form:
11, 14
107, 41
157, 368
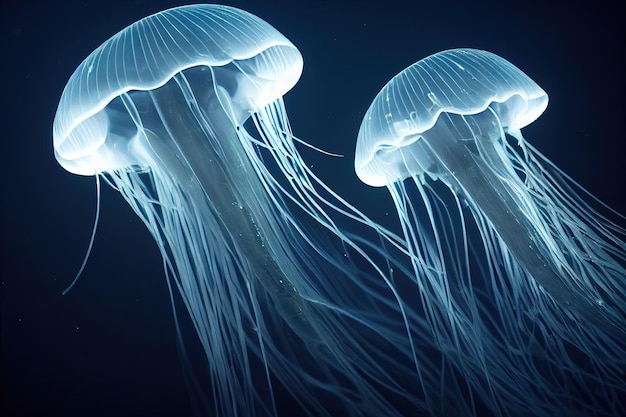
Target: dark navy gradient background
108, 347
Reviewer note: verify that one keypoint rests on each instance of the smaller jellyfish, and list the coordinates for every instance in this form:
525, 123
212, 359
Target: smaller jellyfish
521, 271
182, 113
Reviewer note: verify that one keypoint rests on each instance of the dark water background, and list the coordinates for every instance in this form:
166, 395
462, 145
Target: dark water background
108, 348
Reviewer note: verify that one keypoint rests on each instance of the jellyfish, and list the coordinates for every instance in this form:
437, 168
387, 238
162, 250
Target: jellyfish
521, 272
182, 113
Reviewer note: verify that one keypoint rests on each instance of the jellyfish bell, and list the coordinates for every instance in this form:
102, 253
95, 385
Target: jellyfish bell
252, 70
399, 116
448, 119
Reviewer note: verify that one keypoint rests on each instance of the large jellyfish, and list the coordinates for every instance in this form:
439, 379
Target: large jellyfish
521, 271
182, 113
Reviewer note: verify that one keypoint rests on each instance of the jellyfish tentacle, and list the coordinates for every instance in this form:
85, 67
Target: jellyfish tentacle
507, 206
219, 169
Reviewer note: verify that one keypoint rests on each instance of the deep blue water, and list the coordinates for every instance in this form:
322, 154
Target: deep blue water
108, 348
